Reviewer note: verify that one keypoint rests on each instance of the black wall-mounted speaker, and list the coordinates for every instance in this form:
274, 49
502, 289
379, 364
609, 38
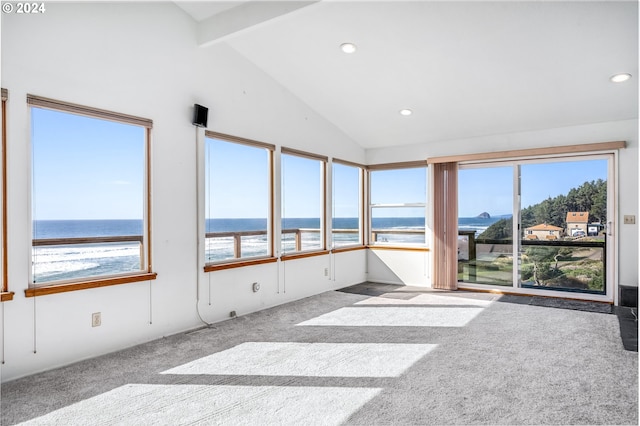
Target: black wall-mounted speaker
200, 115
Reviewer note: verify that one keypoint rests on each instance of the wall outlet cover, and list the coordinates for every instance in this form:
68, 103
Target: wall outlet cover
96, 319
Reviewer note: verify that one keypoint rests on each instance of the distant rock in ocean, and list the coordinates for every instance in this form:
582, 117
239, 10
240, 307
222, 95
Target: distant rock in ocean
484, 215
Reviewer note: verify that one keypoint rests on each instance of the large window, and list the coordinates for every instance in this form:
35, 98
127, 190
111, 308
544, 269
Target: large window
238, 198
398, 204
90, 195
303, 201
536, 223
347, 204
485, 205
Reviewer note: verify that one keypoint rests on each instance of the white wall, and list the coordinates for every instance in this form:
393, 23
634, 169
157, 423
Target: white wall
626, 130
232, 289
399, 267
142, 59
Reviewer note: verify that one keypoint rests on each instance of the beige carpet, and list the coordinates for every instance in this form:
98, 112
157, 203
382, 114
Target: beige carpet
394, 355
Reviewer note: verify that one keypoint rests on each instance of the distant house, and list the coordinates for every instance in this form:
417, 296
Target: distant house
542, 232
577, 223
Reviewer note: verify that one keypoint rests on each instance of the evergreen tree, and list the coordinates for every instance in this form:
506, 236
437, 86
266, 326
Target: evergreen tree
589, 197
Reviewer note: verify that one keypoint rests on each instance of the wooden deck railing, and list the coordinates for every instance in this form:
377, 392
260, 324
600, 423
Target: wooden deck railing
237, 235
87, 240
472, 262
377, 232
41, 242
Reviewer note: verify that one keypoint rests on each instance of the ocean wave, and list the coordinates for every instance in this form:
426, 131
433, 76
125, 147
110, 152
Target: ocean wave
52, 263
49, 268
77, 253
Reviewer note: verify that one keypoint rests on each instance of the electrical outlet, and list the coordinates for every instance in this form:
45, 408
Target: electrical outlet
96, 319
326, 272
629, 219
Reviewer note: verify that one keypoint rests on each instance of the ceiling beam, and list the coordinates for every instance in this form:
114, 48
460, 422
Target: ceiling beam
246, 15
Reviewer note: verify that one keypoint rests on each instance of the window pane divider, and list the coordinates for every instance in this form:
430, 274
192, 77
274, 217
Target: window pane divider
41, 102
399, 205
402, 165
532, 152
348, 163
304, 154
396, 247
237, 139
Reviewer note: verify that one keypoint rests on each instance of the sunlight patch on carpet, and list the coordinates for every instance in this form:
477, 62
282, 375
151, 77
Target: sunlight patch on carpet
396, 317
146, 404
309, 360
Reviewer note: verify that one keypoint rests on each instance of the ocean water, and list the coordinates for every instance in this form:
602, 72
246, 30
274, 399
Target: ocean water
52, 263
477, 224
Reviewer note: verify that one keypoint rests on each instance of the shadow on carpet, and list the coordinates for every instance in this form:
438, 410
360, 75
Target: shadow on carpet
627, 316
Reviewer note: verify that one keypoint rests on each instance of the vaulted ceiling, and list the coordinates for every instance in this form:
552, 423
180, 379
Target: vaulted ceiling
464, 69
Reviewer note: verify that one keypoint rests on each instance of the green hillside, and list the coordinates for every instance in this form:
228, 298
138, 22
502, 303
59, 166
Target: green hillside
589, 197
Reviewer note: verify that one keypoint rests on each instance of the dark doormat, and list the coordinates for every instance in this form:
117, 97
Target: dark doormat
576, 305
628, 318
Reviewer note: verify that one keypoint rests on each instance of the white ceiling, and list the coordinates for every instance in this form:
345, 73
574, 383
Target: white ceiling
465, 68
201, 10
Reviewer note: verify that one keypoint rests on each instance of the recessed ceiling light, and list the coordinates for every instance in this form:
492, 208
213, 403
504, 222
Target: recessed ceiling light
619, 78
406, 112
348, 47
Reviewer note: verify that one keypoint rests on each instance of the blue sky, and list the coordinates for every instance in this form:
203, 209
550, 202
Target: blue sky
490, 189
397, 187
346, 191
238, 180
301, 187
85, 168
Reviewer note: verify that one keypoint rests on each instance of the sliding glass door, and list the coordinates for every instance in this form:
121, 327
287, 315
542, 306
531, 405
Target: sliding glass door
485, 228
563, 225
552, 214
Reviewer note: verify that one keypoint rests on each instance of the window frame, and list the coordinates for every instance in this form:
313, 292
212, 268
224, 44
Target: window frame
145, 274
361, 206
5, 294
323, 207
254, 260
606, 150
371, 206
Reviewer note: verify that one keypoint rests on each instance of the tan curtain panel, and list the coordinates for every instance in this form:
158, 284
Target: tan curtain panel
445, 226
